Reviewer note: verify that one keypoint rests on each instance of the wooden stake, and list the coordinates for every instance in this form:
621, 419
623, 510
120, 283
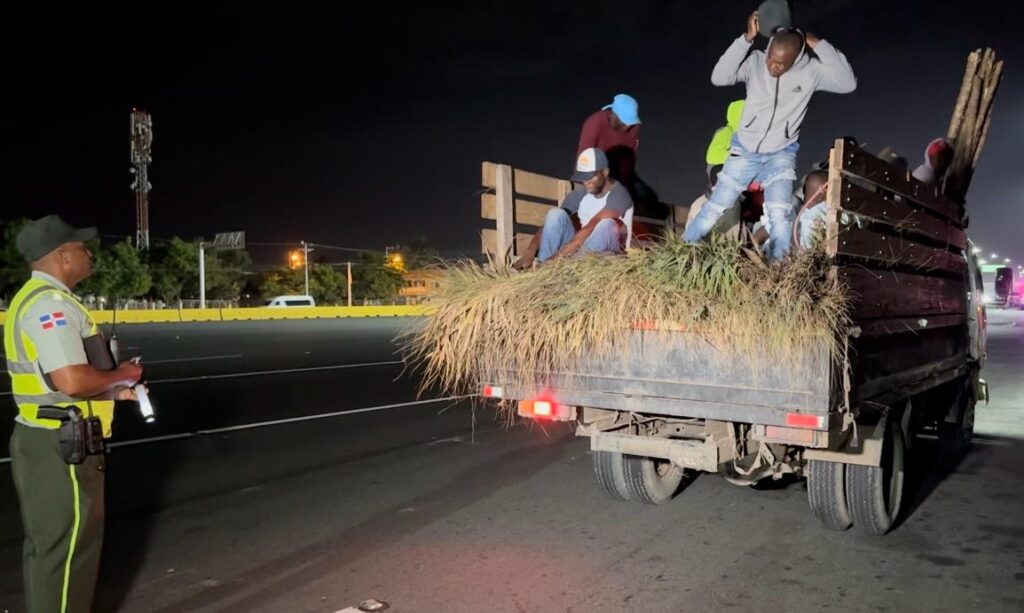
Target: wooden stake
962, 97
992, 78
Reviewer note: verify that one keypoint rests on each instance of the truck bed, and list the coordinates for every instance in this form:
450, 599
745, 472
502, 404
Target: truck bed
677, 374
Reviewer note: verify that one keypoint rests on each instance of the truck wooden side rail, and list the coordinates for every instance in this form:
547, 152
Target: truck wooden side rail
518, 201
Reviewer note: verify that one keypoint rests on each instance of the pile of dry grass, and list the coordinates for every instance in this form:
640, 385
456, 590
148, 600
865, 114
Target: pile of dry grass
500, 326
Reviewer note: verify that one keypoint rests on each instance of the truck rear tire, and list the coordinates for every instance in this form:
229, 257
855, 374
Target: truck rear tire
651, 480
874, 493
826, 493
609, 471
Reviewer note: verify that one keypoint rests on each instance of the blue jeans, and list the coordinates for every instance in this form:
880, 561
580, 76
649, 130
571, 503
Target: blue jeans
558, 231
776, 171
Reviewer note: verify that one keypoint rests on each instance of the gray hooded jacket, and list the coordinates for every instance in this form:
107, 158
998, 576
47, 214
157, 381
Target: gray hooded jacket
775, 107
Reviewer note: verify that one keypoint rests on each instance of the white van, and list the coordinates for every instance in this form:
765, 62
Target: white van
291, 301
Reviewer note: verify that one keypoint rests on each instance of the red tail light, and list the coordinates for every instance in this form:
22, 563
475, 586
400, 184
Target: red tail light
492, 391
546, 409
803, 420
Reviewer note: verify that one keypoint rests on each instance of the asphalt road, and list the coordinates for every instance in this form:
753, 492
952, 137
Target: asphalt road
206, 376
419, 507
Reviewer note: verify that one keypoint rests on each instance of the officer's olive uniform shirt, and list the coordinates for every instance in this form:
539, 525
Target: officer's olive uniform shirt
56, 325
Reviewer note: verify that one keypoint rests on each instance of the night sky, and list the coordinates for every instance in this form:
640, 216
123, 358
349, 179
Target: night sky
365, 126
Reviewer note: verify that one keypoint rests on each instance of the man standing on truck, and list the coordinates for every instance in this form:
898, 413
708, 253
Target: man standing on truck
595, 219
780, 83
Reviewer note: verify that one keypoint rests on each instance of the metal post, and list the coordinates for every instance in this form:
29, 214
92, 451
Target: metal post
202, 276
349, 283
305, 263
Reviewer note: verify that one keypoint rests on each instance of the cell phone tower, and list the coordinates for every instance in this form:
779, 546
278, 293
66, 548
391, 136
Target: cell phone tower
142, 147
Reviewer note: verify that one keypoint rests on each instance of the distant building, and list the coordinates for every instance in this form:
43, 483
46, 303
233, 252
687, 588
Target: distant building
421, 285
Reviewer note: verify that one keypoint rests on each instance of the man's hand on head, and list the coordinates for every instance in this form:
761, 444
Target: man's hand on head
752, 27
812, 40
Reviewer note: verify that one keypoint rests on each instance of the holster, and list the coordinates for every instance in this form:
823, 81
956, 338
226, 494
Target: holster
79, 436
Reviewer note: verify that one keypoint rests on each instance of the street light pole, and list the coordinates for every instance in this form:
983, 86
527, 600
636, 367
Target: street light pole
305, 263
349, 283
202, 275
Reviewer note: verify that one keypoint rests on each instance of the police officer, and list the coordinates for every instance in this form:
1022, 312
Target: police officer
46, 336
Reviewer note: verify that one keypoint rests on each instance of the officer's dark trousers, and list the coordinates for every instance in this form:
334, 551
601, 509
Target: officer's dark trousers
62, 515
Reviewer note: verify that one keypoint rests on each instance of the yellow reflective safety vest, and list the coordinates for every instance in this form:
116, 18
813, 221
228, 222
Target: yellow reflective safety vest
28, 385
718, 148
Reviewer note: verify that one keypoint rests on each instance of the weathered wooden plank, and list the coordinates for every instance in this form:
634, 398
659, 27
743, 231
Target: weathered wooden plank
504, 198
991, 87
680, 213
883, 355
878, 294
965, 92
898, 325
564, 187
888, 251
903, 216
833, 196
859, 163
525, 183
527, 212
489, 240
903, 384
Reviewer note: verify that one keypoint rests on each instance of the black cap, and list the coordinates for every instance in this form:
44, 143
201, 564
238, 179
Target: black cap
773, 15
41, 236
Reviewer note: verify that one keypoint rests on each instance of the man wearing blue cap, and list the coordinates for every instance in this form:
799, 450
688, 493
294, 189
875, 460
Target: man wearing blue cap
615, 129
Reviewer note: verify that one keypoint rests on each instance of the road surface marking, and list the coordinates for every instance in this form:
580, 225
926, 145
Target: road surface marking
208, 357
260, 373
276, 422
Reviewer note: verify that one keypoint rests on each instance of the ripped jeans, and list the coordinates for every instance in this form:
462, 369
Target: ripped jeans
776, 173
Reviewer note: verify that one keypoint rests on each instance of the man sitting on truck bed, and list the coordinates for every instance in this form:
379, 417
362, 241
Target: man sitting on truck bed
596, 219
780, 84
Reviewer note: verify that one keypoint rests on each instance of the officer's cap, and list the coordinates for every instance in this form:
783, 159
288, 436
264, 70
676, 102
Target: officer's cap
41, 236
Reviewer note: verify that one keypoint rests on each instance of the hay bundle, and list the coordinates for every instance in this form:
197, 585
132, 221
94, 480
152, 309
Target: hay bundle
515, 328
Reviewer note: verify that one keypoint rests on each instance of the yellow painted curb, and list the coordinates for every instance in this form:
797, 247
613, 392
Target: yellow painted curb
252, 314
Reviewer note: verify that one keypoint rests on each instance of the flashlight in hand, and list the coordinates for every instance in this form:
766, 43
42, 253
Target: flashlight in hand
145, 406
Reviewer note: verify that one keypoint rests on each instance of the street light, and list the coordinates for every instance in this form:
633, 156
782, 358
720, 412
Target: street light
977, 250
394, 260
1006, 260
995, 255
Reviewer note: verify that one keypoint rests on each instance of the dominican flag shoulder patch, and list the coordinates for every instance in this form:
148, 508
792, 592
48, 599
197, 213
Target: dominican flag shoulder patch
52, 320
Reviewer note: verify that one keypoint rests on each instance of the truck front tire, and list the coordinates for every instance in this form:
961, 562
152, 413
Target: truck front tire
956, 437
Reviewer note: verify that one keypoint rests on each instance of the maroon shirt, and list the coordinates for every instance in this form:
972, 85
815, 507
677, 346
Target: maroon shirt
620, 147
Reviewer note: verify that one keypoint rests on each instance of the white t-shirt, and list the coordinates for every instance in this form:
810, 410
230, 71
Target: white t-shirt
586, 206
